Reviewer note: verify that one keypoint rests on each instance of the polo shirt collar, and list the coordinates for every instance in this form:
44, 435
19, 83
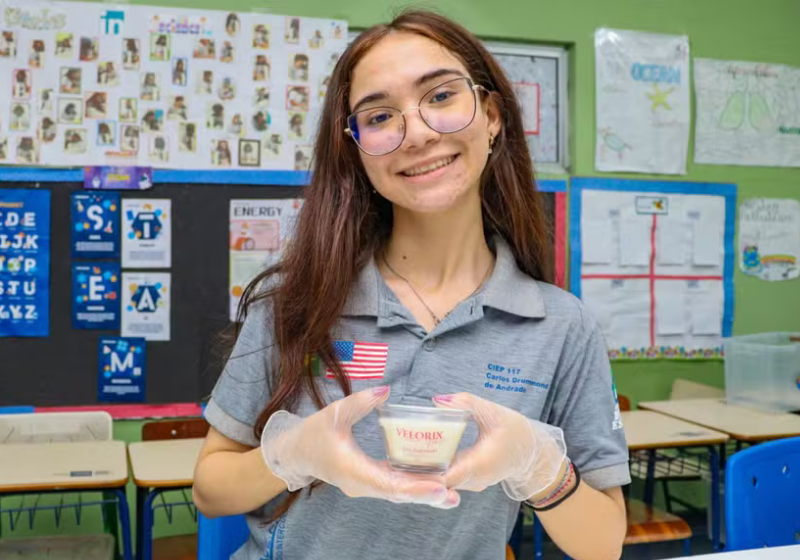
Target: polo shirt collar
508, 289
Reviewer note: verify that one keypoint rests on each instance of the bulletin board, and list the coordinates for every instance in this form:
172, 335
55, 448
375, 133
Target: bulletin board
99, 84
61, 369
654, 262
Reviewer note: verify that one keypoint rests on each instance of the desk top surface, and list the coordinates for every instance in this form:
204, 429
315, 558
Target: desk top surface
62, 465
739, 422
651, 430
164, 463
777, 553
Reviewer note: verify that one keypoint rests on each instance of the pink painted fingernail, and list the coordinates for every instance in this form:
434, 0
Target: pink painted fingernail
380, 391
443, 398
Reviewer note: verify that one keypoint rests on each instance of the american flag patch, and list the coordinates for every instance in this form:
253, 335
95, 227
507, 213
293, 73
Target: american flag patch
360, 360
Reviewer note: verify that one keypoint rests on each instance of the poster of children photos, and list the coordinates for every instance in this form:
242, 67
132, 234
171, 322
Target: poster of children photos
259, 231
95, 84
653, 262
642, 101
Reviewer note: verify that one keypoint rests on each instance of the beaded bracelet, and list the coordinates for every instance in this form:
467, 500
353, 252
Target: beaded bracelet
564, 490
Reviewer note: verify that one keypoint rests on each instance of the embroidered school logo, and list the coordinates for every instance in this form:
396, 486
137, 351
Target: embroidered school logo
360, 360
510, 380
275, 538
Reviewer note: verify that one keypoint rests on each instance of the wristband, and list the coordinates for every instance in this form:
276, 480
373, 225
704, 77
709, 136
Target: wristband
564, 491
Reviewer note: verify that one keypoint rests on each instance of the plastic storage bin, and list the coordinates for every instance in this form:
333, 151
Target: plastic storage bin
763, 371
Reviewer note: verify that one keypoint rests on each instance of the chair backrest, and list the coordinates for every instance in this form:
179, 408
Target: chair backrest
42, 427
624, 403
175, 429
220, 537
685, 389
762, 493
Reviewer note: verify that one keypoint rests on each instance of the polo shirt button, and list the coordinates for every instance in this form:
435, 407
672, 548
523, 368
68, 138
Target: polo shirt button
430, 344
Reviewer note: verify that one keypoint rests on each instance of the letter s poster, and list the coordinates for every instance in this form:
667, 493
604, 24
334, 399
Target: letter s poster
642, 96
95, 225
24, 262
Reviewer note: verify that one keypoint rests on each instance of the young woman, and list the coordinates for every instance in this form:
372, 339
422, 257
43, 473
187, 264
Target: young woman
421, 233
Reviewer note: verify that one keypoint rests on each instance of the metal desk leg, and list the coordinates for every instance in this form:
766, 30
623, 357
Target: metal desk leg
650, 481
515, 542
538, 538
715, 502
125, 522
141, 496
148, 516
111, 523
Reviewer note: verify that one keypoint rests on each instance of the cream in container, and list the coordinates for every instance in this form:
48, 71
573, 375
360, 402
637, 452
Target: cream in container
421, 439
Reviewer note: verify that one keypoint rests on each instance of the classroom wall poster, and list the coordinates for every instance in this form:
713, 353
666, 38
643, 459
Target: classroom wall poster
118, 177
747, 113
101, 84
146, 233
24, 262
95, 296
769, 238
121, 370
95, 225
146, 305
653, 261
642, 96
259, 231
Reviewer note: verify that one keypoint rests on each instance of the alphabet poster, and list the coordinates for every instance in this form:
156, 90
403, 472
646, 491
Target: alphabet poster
259, 230
24, 262
121, 370
95, 225
122, 85
146, 305
769, 238
95, 296
146, 233
642, 96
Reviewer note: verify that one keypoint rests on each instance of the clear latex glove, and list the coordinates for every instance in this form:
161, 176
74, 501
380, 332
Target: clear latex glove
525, 456
301, 450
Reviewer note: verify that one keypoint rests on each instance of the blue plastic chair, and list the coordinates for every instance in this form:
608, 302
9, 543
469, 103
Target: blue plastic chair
762, 493
218, 538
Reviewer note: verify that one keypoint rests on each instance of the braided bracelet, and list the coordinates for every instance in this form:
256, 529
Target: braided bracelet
564, 490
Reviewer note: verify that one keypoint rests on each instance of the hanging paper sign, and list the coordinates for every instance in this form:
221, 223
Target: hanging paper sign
95, 296
120, 178
24, 262
769, 238
146, 233
146, 308
121, 367
95, 225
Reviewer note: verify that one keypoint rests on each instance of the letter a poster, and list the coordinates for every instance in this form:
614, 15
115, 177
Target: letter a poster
146, 305
642, 96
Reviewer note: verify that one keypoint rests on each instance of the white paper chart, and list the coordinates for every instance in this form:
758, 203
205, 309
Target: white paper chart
98, 84
748, 113
642, 95
769, 238
146, 233
653, 262
146, 305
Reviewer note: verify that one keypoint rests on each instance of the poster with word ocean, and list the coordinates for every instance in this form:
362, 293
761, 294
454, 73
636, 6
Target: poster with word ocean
642, 96
24, 262
101, 84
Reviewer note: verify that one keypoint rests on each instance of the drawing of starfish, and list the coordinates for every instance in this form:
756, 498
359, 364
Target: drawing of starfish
659, 98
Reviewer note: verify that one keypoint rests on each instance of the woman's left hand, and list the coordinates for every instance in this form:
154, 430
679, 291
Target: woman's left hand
524, 455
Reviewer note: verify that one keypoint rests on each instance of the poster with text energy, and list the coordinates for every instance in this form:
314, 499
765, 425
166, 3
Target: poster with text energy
95, 225
259, 231
146, 233
146, 307
121, 370
24, 262
642, 96
95, 296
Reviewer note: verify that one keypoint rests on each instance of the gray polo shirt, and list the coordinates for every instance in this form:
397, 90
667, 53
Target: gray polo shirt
521, 343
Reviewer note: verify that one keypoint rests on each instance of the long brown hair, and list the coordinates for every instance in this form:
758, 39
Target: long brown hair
343, 222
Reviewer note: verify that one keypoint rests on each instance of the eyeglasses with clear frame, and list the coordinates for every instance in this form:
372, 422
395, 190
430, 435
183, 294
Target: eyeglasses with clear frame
449, 107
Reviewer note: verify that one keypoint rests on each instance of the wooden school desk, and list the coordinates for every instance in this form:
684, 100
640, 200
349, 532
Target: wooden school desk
650, 431
68, 467
739, 422
159, 466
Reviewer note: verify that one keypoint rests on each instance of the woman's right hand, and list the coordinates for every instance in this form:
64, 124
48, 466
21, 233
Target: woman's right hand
321, 447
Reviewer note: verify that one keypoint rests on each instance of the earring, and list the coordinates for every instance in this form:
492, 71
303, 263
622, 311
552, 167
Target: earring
491, 143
